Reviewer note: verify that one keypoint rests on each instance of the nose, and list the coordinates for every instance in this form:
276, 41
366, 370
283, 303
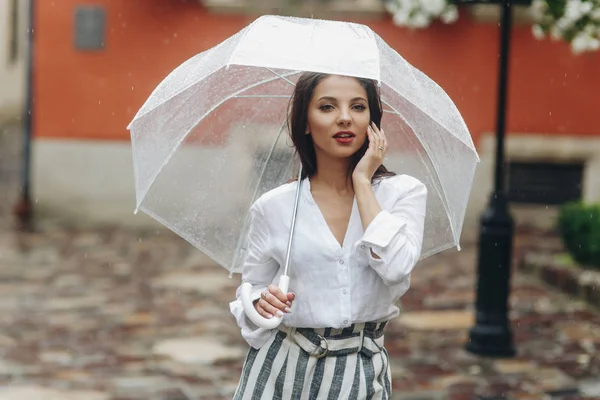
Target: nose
344, 117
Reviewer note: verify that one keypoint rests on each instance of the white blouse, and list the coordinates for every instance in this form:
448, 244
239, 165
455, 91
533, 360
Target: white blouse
335, 285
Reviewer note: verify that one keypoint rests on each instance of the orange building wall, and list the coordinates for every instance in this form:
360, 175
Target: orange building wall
94, 95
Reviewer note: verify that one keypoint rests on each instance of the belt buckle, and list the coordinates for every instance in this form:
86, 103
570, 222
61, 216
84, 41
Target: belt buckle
324, 353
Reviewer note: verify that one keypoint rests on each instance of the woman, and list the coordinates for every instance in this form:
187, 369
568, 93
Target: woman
358, 236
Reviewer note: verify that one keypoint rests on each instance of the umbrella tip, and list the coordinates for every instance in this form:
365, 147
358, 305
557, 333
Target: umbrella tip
458, 247
135, 211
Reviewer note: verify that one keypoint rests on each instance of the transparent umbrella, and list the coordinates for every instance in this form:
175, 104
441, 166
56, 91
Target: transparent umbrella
212, 137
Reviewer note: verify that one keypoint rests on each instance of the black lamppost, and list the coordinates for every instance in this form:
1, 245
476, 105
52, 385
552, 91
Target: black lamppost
24, 209
492, 334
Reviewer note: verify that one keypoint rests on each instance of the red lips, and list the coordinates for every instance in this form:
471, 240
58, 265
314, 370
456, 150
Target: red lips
344, 134
344, 137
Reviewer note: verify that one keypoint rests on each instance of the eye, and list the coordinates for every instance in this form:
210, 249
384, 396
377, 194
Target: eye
326, 107
359, 107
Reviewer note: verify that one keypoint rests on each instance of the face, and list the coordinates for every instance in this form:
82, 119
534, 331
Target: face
338, 116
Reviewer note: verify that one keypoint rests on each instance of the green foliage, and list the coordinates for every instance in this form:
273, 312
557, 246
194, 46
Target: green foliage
579, 229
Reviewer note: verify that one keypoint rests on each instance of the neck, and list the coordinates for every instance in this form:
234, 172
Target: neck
333, 173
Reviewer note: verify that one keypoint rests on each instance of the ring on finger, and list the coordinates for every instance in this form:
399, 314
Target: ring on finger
263, 296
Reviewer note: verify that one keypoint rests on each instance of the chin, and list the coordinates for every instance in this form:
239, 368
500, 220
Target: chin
344, 153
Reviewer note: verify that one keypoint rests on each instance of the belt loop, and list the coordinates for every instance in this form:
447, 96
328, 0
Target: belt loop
292, 334
290, 331
361, 341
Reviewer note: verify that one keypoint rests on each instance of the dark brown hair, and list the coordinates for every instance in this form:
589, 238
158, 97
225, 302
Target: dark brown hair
298, 119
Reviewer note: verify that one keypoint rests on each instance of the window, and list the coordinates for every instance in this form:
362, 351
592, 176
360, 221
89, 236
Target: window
544, 182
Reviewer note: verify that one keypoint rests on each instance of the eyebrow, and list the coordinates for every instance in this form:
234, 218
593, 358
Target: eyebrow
334, 99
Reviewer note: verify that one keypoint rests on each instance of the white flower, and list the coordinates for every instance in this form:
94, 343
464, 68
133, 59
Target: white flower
578, 44
420, 13
573, 10
538, 32
579, 19
450, 14
585, 7
391, 7
565, 23
589, 29
555, 32
538, 8
409, 5
419, 20
583, 43
401, 17
434, 7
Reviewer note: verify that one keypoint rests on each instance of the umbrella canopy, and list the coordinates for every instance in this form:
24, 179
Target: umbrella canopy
212, 137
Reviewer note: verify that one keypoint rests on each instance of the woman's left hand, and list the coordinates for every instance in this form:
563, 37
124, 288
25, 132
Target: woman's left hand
374, 155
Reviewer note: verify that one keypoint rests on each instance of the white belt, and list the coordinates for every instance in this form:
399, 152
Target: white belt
333, 346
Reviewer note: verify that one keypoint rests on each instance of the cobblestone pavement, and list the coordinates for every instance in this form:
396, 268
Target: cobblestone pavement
123, 314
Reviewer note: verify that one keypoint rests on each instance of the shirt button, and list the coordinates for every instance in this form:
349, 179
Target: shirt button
344, 291
362, 246
342, 262
345, 322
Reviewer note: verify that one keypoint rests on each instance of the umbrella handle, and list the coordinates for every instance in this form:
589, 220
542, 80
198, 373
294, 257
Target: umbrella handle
246, 293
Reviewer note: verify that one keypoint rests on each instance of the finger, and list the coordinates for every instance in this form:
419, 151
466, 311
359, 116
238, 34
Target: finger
278, 294
377, 142
376, 130
271, 309
372, 139
374, 127
263, 313
276, 298
385, 142
378, 135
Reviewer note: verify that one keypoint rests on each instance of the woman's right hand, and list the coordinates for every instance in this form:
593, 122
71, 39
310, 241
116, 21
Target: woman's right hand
274, 302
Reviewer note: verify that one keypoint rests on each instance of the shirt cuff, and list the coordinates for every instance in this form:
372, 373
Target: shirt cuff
383, 228
253, 335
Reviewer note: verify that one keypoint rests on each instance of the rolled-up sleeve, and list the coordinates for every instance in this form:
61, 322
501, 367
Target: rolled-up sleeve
259, 269
396, 235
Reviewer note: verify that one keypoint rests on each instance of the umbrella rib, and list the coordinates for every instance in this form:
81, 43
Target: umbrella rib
233, 95
393, 111
282, 77
437, 173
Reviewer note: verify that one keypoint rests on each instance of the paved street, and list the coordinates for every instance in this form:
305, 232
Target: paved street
120, 314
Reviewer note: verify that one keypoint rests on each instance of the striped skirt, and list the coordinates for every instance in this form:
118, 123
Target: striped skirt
302, 363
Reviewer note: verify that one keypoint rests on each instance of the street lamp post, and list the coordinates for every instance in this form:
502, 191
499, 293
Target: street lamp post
492, 335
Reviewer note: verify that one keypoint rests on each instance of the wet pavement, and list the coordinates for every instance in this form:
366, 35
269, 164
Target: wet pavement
123, 314
113, 313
